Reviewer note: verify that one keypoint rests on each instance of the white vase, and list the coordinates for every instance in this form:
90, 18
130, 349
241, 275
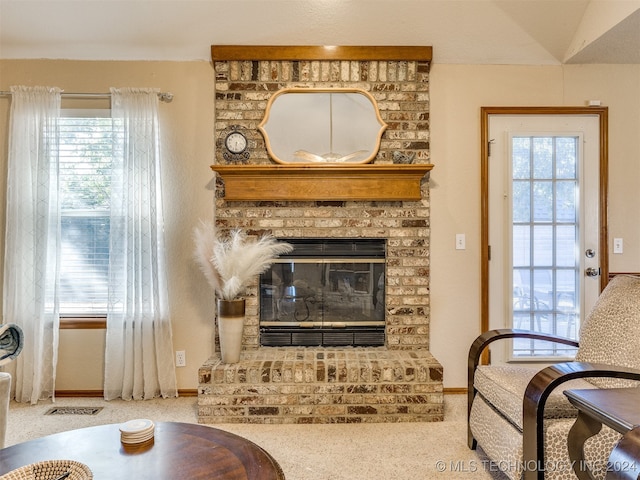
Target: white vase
230, 327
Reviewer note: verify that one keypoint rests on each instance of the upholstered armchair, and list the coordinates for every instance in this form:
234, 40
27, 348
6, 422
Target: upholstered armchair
519, 416
11, 342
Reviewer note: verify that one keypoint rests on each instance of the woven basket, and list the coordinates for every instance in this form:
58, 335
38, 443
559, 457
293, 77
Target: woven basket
50, 470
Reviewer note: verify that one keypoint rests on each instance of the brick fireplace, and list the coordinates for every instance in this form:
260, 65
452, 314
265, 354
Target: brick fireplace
400, 381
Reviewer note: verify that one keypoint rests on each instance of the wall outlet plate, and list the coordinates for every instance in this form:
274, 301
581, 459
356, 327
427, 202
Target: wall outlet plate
181, 358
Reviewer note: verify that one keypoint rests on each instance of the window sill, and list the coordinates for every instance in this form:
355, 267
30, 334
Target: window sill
83, 323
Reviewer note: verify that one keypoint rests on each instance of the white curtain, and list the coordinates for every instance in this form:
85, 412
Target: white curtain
139, 350
32, 240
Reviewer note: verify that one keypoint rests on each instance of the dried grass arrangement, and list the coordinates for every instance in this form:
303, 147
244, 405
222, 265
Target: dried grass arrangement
230, 263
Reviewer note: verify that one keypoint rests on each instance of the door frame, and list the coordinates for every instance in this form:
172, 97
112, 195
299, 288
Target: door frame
485, 145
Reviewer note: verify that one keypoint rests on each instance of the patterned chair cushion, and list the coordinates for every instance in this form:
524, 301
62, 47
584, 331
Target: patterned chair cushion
611, 332
502, 442
504, 386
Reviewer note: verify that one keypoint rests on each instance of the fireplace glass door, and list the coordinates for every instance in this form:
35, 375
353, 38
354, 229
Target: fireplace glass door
325, 292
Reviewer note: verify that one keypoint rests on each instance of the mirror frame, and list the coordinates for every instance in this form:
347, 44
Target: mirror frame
298, 90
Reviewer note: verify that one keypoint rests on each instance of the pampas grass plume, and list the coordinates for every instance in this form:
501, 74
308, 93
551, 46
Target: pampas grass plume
229, 264
205, 240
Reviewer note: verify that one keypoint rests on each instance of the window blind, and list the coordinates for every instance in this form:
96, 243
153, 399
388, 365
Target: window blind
85, 161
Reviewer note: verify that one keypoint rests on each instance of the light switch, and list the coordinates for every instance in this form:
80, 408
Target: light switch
461, 242
617, 245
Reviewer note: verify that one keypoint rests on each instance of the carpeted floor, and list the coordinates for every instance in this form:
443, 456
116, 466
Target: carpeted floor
376, 451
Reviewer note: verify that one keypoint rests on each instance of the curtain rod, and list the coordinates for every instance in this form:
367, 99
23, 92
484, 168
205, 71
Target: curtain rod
166, 97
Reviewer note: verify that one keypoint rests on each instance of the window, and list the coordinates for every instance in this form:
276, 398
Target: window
545, 241
86, 151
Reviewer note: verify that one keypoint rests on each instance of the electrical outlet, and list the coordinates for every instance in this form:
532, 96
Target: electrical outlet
461, 241
181, 358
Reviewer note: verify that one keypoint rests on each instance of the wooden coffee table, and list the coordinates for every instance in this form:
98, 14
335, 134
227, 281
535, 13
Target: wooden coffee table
178, 451
617, 408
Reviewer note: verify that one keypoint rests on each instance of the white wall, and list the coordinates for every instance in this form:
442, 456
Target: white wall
457, 93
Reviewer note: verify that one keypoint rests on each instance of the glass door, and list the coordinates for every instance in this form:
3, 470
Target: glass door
543, 225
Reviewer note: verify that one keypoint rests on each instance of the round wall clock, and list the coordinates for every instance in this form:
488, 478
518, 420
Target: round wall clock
234, 144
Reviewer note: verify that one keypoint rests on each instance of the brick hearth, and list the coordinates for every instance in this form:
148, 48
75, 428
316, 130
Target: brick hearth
322, 385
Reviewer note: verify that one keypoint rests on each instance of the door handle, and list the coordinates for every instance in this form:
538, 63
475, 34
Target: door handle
592, 272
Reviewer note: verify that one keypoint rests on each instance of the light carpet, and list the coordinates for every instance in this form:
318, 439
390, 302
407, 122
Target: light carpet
372, 451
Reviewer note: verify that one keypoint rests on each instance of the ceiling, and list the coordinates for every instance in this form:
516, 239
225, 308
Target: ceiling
528, 32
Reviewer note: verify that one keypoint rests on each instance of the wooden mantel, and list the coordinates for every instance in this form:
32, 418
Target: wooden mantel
311, 52
309, 182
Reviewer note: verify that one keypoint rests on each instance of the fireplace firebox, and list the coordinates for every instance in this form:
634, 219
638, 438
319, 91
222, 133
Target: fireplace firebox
326, 292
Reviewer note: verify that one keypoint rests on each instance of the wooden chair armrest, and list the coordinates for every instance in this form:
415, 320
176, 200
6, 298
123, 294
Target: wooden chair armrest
535, 397
482, 341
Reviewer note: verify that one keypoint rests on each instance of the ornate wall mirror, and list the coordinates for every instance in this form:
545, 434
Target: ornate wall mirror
337, 125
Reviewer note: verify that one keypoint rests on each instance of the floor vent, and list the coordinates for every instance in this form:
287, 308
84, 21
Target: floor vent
74, 411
